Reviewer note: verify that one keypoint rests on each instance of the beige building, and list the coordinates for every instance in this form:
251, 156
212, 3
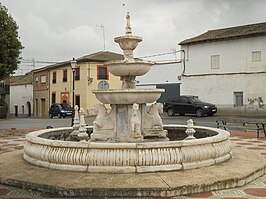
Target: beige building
89, 75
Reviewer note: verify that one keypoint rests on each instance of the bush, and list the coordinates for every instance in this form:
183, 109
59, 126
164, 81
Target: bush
3, 109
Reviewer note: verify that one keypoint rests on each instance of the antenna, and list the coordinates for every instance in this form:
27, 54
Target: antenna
102, 28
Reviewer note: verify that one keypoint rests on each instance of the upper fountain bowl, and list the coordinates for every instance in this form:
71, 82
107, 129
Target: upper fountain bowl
128, 96
128, 42
123, 68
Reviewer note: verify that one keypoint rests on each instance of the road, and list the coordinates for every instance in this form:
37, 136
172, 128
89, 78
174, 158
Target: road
62, 122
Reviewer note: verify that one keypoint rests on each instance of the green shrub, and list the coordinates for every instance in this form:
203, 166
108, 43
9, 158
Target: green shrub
3, 109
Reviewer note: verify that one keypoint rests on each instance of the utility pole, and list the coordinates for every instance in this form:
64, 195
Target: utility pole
102, 28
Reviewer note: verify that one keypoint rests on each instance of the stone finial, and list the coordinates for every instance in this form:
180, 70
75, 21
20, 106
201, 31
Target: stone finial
76, 117
128, 27
75, 122
190, 131
82, 126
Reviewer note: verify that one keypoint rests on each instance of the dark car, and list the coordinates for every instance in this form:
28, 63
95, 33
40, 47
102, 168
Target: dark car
188, 105
60, 110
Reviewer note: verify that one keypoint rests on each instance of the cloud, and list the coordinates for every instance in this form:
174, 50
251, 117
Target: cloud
58, 29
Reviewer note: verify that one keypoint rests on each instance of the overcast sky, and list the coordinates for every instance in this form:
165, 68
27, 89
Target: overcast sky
57, 30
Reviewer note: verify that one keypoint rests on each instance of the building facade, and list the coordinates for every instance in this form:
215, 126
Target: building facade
54, 83
228, 68
21, 95
41, 92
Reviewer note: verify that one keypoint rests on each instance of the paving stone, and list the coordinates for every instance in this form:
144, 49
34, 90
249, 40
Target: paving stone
258, 192
4, 191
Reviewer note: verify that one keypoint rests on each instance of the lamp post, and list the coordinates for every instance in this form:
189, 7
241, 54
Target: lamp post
73, 66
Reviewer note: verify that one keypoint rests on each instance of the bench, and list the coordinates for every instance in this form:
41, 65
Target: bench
226, 124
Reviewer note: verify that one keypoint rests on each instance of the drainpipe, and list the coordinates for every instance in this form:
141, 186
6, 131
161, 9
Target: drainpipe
184, 64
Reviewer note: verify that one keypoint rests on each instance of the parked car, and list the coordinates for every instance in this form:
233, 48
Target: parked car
188, 105
60, 110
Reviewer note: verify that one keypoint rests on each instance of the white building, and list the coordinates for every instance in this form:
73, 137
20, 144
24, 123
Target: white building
228, 68
21, 95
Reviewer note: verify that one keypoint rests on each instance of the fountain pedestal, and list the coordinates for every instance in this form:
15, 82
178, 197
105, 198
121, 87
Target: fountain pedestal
127, 123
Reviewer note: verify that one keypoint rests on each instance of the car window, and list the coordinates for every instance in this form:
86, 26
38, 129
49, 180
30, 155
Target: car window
185, 100
194, 99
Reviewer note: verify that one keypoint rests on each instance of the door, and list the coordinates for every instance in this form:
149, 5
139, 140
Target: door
29, 109
187, 107
16, 111
42, 107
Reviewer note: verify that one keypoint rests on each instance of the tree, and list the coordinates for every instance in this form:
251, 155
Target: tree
10, 46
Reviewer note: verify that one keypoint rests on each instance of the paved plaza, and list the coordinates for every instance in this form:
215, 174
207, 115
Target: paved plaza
13, 140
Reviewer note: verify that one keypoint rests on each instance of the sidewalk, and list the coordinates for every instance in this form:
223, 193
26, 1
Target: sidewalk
14, 140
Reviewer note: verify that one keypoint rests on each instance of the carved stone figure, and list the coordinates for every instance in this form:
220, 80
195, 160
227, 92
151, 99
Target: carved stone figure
152, 122
103, 125
135, 122
128, 82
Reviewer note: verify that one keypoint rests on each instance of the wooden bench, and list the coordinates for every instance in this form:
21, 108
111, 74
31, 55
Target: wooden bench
257, 126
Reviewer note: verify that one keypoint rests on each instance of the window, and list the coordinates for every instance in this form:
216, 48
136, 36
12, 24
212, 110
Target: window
65, 75
36, 80
53, 97
54, 77
77, 73
102, 72
238, 98
256, 56
215, 61
77, 100
43, 79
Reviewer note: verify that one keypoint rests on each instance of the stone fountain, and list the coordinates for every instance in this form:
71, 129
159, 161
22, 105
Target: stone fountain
127, 136
128, 119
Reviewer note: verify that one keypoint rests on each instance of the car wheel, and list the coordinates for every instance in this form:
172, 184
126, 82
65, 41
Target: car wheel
59, 115
170, 112
64, 116
199, 112
50, 115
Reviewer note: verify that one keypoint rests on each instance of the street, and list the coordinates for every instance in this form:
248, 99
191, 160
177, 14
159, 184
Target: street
63, 122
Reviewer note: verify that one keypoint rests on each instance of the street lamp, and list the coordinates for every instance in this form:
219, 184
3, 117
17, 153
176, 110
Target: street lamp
73, 66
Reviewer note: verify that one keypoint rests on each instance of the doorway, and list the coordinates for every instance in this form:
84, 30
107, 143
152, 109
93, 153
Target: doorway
29, 109
16, 111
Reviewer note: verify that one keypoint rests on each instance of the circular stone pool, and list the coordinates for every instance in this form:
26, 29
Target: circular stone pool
212, 146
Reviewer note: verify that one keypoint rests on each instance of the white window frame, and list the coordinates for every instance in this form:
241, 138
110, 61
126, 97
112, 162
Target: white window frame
238, 99
43, 79
215, 61
256, 56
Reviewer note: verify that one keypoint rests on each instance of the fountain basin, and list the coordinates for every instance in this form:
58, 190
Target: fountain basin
127, 157
128, 42
128, 96
122, 68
